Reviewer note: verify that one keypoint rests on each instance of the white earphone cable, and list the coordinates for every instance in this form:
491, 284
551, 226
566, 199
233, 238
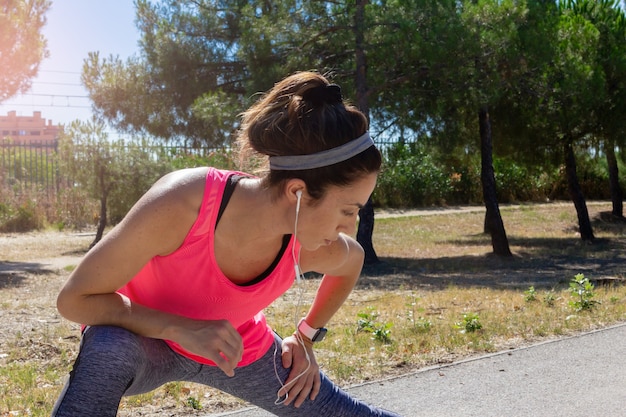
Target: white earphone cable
300, 284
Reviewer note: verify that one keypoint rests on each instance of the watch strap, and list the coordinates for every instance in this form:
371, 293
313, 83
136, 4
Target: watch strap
313, 334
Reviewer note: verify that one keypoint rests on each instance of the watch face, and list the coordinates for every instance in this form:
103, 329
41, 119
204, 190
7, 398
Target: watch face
319, 335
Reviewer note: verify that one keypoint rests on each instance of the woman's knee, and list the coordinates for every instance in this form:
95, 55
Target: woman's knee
106, 366
108, 351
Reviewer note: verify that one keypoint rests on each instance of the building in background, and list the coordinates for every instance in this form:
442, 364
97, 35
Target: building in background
28, 130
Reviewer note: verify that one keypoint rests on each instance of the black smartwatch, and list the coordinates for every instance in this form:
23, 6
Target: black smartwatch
316, 335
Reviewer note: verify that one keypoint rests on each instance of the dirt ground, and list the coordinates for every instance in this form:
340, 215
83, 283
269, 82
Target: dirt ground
33, 266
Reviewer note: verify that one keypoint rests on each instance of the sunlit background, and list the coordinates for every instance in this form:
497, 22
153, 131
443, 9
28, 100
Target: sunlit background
73, 29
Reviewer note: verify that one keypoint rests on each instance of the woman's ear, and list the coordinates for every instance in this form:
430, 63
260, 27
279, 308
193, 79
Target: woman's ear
295, 190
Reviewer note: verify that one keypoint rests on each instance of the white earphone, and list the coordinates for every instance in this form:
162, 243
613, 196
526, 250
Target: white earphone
299, 196
295, 233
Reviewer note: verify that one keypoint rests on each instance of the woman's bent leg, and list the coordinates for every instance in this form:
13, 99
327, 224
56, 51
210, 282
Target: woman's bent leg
258, 384
114, 362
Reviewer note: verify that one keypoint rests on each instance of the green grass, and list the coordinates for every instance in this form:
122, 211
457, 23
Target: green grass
27, 388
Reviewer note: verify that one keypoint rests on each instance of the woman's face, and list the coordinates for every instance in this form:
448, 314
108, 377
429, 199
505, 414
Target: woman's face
337, 212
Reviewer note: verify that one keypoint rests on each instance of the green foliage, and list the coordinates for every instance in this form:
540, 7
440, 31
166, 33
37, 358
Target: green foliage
114, 173
419, 324
194, 403
530, 294
91, 169
548, 71
23, 166
25, 386
74, 208
412, 177
147, 161
516, 182
20, 211
592, 176
382, 333
549, 298
140, 167
583, 292
21, 218
470, 323
199, 66
368, 322
415, 176
179, 158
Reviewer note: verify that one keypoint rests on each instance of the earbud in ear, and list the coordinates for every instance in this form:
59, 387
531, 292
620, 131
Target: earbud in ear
299, 196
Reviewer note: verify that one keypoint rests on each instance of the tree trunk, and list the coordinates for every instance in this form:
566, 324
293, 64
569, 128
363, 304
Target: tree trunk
102, 222
104, 194
365, 232
493, 220
366, 214
576, 194
617, 195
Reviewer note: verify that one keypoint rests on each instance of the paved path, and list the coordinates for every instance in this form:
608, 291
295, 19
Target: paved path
431, 211
579, 376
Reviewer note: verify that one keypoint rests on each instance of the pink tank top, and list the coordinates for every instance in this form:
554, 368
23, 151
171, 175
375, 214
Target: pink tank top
189, 283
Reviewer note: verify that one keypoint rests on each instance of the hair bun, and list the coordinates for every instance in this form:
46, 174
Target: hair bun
323, 94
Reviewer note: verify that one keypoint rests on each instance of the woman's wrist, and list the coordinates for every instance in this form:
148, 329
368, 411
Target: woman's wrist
298, 335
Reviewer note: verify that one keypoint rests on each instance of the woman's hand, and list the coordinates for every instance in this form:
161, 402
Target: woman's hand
216, 340
299, 388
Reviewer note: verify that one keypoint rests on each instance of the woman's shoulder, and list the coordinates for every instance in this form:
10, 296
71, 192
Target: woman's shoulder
182, 178
183, 190
164, 214
177, 193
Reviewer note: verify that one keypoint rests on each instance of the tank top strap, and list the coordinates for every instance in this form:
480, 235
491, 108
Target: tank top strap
216, 181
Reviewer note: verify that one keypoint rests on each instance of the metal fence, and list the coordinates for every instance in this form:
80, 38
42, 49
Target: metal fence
29, 165
35, 165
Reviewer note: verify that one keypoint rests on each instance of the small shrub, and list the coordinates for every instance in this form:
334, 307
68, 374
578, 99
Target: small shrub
519, 183
582, 290
422, 325
382, 333
549, 298
470, 324
419, 324
530, 294
194, 403
22, 218
412, 177
367, 322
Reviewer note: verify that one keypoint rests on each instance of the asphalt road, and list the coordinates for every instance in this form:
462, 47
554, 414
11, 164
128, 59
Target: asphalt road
579, 376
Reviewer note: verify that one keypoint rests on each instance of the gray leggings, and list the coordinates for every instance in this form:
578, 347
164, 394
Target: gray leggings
114, 362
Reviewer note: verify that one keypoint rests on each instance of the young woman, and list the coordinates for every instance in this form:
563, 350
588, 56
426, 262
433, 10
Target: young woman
176, 290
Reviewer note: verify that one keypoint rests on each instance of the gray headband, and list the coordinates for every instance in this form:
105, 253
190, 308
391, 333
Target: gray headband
323, 158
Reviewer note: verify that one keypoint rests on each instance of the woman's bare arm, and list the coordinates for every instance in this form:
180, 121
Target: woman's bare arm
156, 225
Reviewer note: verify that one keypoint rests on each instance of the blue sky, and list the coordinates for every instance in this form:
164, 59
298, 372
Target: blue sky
74, 28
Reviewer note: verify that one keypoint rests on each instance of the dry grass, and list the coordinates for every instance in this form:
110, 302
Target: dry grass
436, 269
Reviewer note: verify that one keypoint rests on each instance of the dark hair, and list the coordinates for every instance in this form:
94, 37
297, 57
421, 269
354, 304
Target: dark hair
301, 115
